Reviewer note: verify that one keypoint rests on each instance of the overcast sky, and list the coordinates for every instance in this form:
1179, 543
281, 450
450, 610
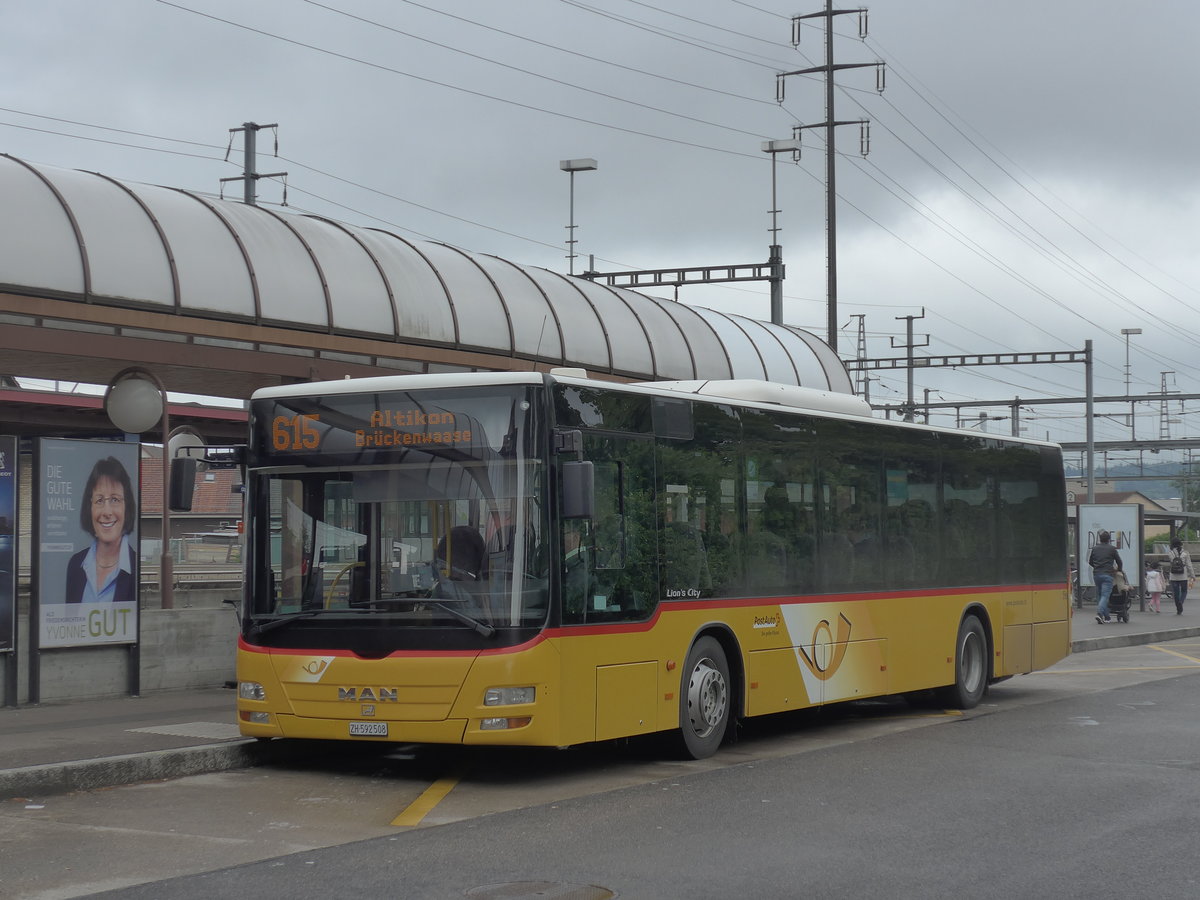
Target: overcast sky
1031, 183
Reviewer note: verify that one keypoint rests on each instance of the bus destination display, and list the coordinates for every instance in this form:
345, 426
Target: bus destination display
401, 427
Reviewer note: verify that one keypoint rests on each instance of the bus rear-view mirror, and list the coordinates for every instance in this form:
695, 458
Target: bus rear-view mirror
578, 489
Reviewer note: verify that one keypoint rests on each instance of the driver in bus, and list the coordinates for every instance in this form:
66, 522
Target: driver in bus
462, 558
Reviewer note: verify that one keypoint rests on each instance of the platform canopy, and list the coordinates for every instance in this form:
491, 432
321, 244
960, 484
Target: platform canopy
80, 236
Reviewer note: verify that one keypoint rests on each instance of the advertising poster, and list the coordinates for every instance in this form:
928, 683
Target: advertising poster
8, 543
1123, 522
87, 561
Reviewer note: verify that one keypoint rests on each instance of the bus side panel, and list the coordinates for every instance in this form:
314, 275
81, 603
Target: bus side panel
1051, 626
1013, 634
840, 650
921, 631
1053, 605
1051, 642
632, 674
820, 672
1017, 655
854, 669
1036, 633
626, 700
774, 683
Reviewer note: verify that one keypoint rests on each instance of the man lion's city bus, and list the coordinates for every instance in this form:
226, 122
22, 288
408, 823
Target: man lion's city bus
547, 560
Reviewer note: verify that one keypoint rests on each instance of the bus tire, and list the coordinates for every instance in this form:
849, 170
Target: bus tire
970, 666
704, 699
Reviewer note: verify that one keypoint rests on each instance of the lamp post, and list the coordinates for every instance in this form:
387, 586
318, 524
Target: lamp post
1127, 332
571, 166
134, 401
775, 257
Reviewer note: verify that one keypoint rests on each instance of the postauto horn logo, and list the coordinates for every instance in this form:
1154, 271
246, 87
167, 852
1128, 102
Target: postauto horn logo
812, 657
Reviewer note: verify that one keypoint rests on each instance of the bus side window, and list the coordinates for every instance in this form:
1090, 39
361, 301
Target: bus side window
610, 518
578, 580
609, 562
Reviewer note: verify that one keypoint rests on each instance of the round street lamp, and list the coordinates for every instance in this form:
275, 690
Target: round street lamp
135, 401
571, 166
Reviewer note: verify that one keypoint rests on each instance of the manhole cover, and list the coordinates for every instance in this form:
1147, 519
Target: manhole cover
556, 890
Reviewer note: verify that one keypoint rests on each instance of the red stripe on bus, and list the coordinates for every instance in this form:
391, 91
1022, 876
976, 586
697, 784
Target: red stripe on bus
663, 606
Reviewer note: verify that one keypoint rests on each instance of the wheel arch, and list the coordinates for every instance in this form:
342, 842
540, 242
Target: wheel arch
979, 611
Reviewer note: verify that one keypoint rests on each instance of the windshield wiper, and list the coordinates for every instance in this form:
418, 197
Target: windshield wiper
482, 627
257, 628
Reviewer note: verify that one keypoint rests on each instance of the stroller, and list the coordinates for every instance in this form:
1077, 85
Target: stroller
1119, 599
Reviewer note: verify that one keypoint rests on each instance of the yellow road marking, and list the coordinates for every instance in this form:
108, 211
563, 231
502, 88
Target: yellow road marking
423, 805
1173, 653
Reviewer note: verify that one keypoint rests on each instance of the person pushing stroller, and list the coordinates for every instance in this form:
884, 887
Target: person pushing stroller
1105, 562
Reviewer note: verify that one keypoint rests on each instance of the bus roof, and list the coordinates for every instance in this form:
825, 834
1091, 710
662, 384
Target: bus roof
759, 394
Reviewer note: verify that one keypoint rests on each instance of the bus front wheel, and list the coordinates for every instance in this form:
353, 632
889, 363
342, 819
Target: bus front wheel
704, 703
970, 666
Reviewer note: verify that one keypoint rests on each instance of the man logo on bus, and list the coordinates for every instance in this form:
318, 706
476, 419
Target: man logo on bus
378, 695
823, 636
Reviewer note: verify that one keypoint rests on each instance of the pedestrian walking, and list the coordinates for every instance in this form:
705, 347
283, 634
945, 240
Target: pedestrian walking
1181, 574
1155, 585
1105, 562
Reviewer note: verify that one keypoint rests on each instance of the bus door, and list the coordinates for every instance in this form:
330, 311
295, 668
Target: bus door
608, 577
609, 559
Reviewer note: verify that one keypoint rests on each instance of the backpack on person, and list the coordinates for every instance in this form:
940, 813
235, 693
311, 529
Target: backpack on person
1177, 564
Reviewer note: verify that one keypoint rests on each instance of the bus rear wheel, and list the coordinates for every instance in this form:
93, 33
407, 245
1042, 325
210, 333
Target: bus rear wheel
970, 666
704, 703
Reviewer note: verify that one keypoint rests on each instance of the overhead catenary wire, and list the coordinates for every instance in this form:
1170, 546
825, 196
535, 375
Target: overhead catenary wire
1042, 189
458, 88
578, 55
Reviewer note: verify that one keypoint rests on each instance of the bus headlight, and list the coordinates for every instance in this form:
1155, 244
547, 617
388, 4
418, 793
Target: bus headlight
251, 690
507, 696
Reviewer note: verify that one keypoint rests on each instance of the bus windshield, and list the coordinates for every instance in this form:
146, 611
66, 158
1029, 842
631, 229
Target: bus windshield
417, 538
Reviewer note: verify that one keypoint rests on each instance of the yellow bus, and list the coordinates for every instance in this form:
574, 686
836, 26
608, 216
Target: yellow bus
550, 560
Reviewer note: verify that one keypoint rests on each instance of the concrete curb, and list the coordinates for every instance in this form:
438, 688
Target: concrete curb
131, 768
1118, 639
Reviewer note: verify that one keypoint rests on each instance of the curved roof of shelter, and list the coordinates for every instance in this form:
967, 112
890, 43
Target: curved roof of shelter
78, 235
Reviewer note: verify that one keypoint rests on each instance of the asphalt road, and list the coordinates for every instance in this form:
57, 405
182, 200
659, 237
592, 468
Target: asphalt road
1077, 782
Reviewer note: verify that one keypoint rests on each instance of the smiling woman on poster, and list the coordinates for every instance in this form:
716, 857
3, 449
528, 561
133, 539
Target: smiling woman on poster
104, 572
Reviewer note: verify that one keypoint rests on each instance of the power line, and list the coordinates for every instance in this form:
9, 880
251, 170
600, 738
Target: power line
453, 87
578, 55
1043, 188
530, 72
698, 43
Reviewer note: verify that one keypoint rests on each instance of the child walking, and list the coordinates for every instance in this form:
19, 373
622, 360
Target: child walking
1155, 585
